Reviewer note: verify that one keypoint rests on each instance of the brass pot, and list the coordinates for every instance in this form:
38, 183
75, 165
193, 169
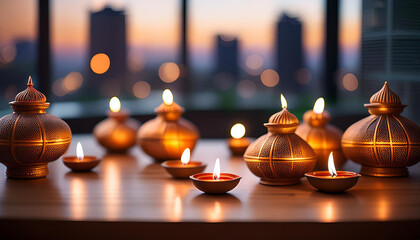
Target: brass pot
31, 138
324, 138
118, 132
384, 143
168, 135
280, 157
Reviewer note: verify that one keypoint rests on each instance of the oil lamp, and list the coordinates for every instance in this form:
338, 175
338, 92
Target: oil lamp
117, 133
332, 181
80, 163
216, 182
30, 138
323, 137
183, 168
280, 157
166, 136
384, 143
238, 144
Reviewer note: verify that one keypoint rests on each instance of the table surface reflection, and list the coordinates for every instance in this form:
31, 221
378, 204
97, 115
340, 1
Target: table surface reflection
132, 187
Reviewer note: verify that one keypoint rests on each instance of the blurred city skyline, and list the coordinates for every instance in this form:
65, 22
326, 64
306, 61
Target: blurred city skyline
153, 28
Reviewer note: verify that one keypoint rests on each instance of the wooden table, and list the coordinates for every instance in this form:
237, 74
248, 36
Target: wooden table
129, 196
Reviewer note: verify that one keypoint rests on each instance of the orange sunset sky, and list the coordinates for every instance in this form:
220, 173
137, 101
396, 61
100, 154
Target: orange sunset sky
154, 25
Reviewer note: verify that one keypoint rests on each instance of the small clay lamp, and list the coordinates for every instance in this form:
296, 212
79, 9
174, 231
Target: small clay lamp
321, 136
238, 144
216, 182
384, 143
80, 163
332, 181
118, 132
183, 168
168, 135
280, 157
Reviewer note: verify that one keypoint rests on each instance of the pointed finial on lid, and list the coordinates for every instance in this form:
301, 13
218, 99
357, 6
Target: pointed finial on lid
385, 96
30, 82
30, 94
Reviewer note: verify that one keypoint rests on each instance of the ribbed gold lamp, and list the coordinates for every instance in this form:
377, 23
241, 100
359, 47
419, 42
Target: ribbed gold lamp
280, 157
30, 138
384, 143
324, 138
168, 135
118, 132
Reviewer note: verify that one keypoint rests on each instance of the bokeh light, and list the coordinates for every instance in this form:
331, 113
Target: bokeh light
270, 78
58, 89
169, 72
100, 63
246, 88
254, 62
10, 93
141, 89
350, 82
72, 81
8, 54
303, 76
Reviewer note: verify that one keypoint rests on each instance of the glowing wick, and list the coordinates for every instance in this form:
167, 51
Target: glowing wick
331, 167
79, 151
216, 171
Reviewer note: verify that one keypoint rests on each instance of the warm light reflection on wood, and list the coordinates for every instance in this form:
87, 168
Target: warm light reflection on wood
328, 212
383, 209
177, 209
78, 198
173, 203
112, 189
215, 214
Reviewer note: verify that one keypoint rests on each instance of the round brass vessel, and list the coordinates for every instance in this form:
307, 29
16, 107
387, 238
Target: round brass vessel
324, 138
168, 135
30, 138
280, 157
384, 143
118, 132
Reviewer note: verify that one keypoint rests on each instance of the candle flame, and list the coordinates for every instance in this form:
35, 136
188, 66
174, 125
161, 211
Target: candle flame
216, 171
283, 101
319, 106
79, 151
185, 158
331, 166
114, 104
167, 97
237, 131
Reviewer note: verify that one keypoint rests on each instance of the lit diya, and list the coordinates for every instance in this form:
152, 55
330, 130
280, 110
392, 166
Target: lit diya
183, 168
118, 132
238, 144
331, 180
80, 163
216, 182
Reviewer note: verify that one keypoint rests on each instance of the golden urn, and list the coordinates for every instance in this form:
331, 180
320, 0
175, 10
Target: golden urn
31, 138
324, 138
118, 132
384, 143
168, 135
280, 157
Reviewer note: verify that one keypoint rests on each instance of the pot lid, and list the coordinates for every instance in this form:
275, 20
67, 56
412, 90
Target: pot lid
30, 94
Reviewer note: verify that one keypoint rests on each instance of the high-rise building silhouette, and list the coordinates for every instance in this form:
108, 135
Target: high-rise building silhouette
227, 55
108, 35
289, 55
391, 50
